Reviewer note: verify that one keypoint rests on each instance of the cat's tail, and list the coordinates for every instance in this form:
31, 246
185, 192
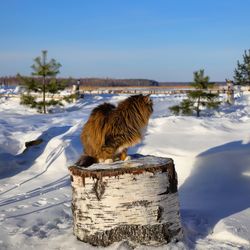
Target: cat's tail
86, 161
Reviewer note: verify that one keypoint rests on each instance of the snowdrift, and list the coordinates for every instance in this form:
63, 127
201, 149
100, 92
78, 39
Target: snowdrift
211, 156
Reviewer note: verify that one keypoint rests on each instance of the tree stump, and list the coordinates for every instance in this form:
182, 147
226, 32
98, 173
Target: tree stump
136, 200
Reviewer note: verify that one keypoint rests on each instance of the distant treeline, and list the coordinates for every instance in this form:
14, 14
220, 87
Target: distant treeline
102, 82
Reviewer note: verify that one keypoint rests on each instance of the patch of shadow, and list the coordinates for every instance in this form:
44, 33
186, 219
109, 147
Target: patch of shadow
11, 165
217, 188
36, 192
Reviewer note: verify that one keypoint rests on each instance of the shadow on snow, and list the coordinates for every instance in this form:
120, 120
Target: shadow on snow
11, 165
36, 192
218, 187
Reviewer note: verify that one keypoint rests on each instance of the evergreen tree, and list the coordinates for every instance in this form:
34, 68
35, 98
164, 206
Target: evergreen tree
201, 97
242, 71
184, 108
44, 82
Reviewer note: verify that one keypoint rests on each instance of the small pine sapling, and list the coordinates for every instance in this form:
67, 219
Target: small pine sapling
44, 82
242, 71
197, 99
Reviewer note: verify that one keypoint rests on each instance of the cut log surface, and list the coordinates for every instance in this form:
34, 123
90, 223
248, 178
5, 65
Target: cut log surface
135, 200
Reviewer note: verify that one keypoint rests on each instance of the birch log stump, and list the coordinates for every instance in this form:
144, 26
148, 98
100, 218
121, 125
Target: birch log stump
135, 200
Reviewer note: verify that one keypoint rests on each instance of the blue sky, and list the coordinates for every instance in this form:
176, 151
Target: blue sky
156, 39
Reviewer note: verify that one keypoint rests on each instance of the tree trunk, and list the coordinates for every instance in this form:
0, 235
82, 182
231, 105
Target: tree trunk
44, 105
136, 200
198, 108
198, 113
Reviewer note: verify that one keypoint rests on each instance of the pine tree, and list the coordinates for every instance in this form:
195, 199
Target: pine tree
184, 108
242, 71
201, 97
44, 82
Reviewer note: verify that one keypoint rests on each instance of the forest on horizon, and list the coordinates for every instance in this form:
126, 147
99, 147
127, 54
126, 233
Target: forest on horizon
102, 82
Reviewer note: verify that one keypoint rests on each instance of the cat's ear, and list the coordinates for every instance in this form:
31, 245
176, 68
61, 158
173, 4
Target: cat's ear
147, 99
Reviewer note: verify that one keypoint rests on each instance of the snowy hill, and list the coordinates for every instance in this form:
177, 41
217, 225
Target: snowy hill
211, 154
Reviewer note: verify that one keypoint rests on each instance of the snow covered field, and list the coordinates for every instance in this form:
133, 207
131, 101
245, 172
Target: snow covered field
211, 154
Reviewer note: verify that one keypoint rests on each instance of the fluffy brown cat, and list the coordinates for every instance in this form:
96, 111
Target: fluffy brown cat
110, 130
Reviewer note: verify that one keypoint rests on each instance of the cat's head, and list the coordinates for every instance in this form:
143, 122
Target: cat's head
144, 103
147, 101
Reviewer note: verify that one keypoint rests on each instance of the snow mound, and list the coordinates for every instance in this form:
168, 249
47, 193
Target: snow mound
211, 156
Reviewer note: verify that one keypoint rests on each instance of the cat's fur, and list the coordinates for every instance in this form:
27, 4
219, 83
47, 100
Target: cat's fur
110, 130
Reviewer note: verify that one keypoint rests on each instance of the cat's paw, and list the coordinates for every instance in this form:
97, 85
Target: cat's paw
128, 158
108, 161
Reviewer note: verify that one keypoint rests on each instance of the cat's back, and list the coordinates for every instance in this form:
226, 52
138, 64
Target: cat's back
93, 131
100, 114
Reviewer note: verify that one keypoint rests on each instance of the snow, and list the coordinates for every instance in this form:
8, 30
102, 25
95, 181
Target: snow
147, 161
211, 156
